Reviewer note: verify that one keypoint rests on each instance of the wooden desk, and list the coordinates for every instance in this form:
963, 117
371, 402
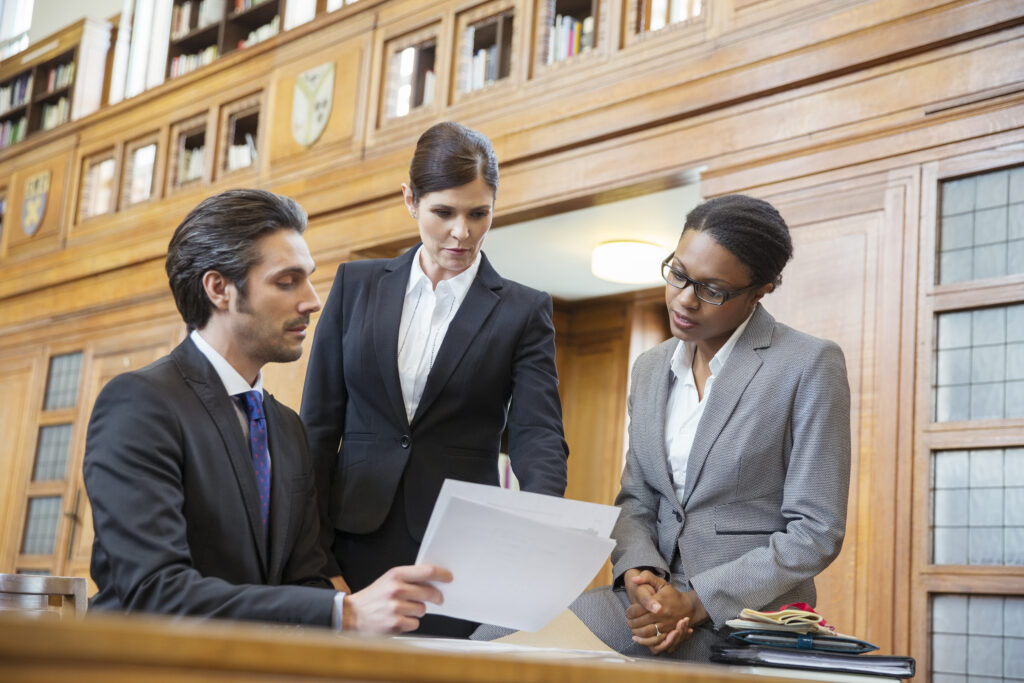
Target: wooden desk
112, 649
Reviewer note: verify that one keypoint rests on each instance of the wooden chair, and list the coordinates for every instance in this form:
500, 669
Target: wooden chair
60, 597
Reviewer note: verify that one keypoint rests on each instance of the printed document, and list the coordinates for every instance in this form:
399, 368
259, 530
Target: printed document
518, 558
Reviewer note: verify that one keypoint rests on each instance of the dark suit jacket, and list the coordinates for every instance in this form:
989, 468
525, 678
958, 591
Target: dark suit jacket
176, 509
499, 348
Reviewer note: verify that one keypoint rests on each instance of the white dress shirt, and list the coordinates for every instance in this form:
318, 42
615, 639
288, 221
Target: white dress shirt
235, 385
685, 407
233, 382
426, 314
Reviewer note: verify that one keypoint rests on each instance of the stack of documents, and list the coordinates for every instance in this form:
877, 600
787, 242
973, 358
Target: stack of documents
518, 558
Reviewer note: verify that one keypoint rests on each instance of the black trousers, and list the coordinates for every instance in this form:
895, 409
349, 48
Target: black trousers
364, 558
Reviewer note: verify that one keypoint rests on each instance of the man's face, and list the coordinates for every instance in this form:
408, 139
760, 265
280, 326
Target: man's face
269, 323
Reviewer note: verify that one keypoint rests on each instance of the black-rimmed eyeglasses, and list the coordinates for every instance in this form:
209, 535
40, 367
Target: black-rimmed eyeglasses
706, 293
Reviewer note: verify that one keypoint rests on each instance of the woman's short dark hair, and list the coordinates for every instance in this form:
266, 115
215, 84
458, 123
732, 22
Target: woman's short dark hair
752, 229
450, 155
221, 234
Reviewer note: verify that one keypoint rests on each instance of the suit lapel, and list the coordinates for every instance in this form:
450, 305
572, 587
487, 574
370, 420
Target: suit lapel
203, 380
468, 321
741, 366
651, 409
387, 319
282, 474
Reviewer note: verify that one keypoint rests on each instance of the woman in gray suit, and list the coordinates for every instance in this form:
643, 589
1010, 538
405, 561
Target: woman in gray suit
736, 480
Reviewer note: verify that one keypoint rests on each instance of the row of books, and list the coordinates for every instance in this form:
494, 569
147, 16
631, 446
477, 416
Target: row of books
243, 5
194, 14
190, 165
13, 131
243, 155
55, 114
60, 76
182, 64
15, 93
268, 30
484, 68
569, 36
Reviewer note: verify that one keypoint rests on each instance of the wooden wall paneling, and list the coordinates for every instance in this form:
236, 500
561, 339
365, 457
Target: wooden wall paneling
50, 233
21, 376
80, 298
340, 141
677, 86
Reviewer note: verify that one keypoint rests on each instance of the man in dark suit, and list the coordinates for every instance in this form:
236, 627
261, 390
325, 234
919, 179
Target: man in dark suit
201, 484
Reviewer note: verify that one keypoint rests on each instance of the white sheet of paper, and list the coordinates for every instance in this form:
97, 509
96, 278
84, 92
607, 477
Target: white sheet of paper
511, 569
572, 514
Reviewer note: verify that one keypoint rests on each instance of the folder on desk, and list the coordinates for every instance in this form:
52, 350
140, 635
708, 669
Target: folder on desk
754, 655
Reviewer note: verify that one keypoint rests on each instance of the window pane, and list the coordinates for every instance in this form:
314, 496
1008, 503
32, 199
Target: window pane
52, 453
979, 364
981, 230
41, 526
977, 636
62, 385
978, 507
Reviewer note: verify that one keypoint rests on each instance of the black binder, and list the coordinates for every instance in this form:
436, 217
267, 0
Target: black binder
753, 655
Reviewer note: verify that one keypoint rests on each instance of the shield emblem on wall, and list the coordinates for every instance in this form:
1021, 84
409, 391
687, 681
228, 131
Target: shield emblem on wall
311, 103
37, 187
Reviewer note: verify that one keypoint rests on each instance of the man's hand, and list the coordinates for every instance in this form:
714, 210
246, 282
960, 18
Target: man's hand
339, 585
661, 606
394, 603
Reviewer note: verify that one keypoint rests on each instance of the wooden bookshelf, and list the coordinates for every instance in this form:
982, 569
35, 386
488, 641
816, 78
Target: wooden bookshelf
56, 80
203, 30
411, 73
239, 135
485, 46
190, 152
565, 29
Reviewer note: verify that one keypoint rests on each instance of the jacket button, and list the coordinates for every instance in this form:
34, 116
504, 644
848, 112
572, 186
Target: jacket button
405, 441
679, 515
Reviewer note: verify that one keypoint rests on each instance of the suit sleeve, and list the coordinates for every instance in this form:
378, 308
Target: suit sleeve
635, 532
133, 473
814, 498
306, 562
537, 448
324, 402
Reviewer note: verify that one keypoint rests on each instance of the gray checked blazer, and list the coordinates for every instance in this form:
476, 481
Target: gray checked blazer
764, 508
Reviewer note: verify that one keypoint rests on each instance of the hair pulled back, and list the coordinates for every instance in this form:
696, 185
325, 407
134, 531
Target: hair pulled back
450, 155
751, 229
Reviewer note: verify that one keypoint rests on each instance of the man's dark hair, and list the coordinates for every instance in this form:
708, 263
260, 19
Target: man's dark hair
221, 234
752, 229
450, 155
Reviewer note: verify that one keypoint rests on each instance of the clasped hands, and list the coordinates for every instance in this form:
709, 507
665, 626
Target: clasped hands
660, 617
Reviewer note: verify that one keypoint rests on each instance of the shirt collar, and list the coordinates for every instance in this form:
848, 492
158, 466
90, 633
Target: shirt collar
233, 382
682, 358
458, 285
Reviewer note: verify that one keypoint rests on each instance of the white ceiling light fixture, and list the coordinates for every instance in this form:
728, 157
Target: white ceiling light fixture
628, 262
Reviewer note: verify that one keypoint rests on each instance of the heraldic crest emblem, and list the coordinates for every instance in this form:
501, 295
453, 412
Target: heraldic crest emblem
37, 187
311, 103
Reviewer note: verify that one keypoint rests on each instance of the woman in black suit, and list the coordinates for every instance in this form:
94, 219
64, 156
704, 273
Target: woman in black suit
418, 364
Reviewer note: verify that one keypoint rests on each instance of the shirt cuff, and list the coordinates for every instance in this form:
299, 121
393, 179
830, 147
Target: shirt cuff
336, 611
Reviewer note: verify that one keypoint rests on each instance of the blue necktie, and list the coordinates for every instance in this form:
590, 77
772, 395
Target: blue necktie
258, 448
